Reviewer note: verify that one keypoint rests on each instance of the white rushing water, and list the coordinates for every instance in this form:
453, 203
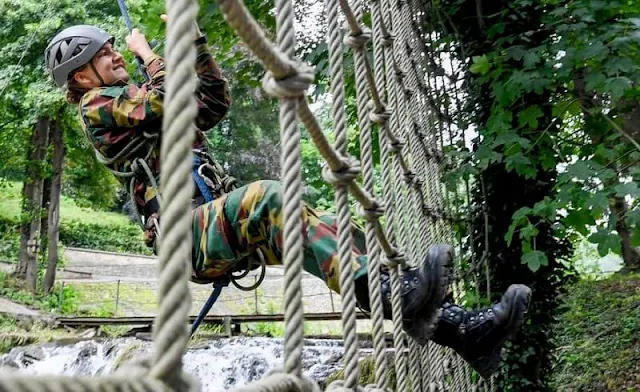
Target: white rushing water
219, 364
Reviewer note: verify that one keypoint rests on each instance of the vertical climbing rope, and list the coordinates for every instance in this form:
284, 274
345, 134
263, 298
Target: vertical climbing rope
170, 332
347, 287
357, 41
292, 200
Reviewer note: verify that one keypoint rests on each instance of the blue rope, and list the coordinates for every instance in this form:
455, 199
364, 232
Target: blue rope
204, 188
127, 21
217, 289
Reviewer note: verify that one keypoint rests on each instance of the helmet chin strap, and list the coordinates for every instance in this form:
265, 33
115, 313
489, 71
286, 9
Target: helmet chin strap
95, 71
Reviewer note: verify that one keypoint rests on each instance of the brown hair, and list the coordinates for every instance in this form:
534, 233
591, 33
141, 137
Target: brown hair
75, 90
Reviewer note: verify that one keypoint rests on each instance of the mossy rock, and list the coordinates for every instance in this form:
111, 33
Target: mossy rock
128, 353
367, 372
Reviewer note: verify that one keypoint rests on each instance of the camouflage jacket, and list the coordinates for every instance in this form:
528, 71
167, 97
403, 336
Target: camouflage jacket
112, 117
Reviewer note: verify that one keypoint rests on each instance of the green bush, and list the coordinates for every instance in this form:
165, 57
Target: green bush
114, 237
63, 301
9, 240
598, 337
111, 237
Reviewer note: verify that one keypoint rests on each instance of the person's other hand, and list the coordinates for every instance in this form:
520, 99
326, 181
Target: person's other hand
138, 45
199, 34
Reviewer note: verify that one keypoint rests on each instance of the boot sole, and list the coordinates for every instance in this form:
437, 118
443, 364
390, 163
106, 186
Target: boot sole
439, 266
518, 299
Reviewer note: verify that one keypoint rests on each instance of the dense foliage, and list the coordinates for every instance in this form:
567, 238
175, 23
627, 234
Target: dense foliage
551, 89
597, 338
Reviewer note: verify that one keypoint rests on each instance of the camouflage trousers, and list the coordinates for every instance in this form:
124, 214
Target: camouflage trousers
233, 226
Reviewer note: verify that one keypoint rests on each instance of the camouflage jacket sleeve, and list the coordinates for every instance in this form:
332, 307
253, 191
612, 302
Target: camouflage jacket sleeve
115, 113
213, 90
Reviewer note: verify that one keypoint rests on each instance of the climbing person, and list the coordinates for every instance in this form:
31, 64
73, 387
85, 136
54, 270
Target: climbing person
123, 121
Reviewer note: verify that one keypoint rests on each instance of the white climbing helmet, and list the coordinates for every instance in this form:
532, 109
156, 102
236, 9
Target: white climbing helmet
72, 48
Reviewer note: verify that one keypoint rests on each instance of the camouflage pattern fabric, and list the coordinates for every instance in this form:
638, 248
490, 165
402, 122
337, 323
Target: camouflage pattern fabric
236, 224
113, 116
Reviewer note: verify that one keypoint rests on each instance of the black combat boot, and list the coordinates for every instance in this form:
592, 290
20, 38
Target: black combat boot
423, 289
478, 335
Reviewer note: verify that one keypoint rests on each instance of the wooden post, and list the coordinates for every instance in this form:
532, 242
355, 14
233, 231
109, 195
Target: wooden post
61, 296
227, 327
333, 309
115, 313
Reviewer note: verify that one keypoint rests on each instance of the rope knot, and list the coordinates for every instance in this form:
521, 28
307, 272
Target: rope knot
293, 85
372, 213
409, 178
375, 388
395, 144
379, 117
396, 259
357, 41
278, 380
431, 213
343, 176
417, 183
434, 154
338, 386
388, 39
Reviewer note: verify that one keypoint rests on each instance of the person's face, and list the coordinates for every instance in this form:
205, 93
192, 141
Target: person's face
110, 66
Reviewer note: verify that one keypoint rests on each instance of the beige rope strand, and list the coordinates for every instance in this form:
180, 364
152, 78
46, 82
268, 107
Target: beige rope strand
292, 198
347, 287
366, 153
170, 332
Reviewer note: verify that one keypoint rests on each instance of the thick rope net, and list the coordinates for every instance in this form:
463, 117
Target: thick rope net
404, 93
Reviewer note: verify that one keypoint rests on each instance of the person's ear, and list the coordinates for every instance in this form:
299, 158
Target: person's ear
82, 77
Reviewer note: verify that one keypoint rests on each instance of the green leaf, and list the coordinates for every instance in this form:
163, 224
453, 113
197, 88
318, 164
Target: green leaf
571, 106
516, 52
635, 238
598, 203
606, 153
580, 170
480, 65
606, 241
618, 86
518, 219
495, 29
529, 116
617, 64
595, 81
633, 218
629, 188
531, 58
500, 121
535, 259
595, 49
517, 162
580, 220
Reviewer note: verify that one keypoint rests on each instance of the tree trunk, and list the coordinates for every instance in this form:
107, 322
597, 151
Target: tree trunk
35, 175
27, 190
630, 255
44, 224
54, 206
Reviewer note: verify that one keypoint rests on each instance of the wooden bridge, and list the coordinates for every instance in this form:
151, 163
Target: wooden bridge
231, 323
